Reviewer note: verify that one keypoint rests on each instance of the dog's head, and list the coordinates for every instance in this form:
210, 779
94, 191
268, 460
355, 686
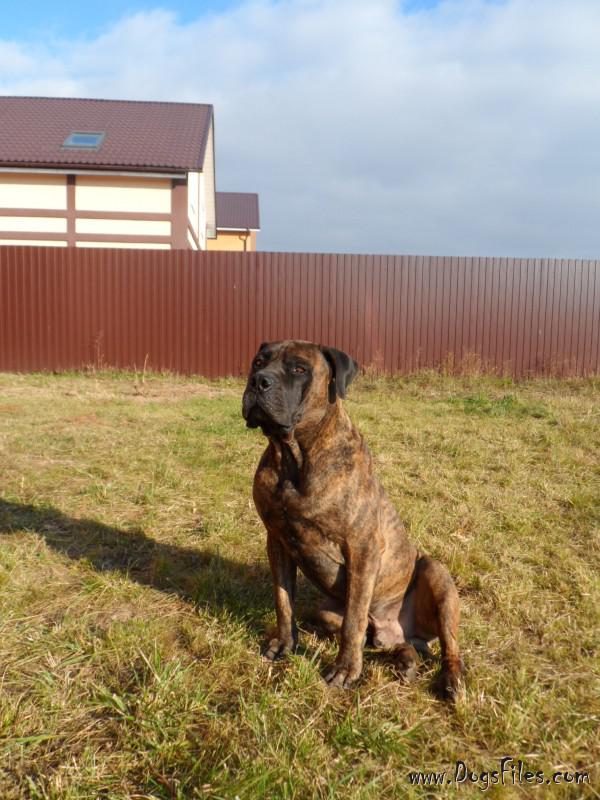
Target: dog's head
292, 384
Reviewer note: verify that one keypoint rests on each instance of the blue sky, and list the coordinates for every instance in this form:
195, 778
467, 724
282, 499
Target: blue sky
61, 18
64, 18
455, 127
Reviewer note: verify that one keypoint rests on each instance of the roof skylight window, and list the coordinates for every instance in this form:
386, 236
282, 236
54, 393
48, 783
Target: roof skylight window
83, 141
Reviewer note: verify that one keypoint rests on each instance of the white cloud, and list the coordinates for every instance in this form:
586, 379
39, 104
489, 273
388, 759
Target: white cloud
471, 128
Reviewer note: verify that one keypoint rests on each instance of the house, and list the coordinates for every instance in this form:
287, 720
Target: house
237, 221
107, 173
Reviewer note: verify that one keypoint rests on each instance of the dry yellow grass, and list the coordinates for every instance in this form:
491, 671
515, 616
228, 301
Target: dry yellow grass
135, 592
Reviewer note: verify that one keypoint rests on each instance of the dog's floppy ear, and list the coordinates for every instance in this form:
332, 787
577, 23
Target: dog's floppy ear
343, 370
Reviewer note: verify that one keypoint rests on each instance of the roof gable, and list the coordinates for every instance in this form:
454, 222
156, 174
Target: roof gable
138, 135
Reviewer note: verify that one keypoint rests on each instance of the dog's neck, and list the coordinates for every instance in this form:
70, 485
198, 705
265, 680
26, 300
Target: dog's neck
294, 451
310, 434
288, 458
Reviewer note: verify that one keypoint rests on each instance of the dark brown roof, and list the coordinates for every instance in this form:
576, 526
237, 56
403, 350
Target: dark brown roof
237, 211
139, 135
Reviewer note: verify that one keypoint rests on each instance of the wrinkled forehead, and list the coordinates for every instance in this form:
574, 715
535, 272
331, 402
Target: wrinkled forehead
291, 350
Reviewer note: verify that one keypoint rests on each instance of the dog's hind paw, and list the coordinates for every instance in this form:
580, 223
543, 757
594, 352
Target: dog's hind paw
450, 681
404, 658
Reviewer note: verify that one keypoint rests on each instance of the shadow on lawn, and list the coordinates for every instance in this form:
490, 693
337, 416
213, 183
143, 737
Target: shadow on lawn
202, 577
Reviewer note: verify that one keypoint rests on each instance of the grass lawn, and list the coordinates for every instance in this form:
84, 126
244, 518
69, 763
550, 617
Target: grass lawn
135, 593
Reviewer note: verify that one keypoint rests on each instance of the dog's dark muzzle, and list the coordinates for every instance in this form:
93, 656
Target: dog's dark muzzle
261, 383
264, 404
259, 393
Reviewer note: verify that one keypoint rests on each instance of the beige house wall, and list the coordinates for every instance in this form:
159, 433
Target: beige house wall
127, 245
36, 242
33, 224
193, 187
129, 227
202, 235
147, 195
233, 241
22, 190
209, 186
84, 205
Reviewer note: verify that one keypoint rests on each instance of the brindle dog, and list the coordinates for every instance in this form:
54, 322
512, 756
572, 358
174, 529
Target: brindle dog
326, 512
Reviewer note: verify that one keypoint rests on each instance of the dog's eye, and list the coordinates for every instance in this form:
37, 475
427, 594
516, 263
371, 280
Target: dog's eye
258, 362
298, 370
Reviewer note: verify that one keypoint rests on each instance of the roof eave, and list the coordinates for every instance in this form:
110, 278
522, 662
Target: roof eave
237, 230
68, 167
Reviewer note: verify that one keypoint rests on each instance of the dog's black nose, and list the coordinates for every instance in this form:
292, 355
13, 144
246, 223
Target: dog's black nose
261, 381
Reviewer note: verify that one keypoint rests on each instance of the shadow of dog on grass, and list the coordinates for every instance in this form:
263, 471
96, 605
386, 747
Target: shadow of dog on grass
202, 577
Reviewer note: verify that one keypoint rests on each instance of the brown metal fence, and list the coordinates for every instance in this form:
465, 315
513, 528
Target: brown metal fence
205, 313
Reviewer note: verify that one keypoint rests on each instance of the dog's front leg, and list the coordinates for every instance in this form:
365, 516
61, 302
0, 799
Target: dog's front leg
283, 570
362, 566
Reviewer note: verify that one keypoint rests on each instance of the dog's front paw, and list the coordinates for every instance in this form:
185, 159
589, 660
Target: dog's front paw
344, 673
279, 648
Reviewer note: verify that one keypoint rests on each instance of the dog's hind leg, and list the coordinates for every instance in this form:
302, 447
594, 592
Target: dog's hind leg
330, 616
388, 634
436, 612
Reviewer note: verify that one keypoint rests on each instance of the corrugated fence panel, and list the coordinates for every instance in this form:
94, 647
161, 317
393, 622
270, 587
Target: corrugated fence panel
206, 313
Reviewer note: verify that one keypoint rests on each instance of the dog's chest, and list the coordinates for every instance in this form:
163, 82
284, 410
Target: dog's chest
316, 552
306, 528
